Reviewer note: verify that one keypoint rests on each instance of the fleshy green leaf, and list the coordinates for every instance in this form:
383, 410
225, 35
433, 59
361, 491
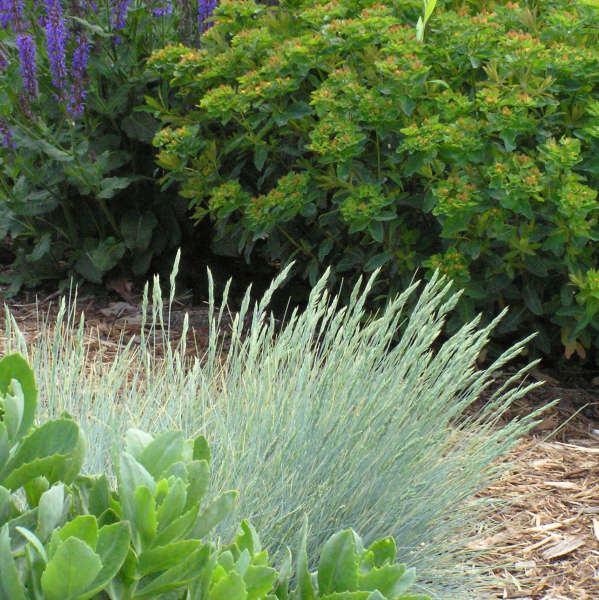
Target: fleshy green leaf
230, 587
162, 452
214, 513
389, 580
112, 548
184, 573
70, 571
10, 584
54, 450
338, 566
144, 518
304, 589
135, 442
16, 367
383, 550
50, 510
173, 504
165, 557
259, 581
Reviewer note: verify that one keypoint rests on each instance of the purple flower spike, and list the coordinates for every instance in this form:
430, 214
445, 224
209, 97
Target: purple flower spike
119, 14
26, 47
6, 135
164, 8
4, 14
79, 76
205, 10
56, 37
11, 13
89, 5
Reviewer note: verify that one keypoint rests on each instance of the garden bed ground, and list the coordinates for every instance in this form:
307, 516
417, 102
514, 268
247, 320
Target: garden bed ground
546, 540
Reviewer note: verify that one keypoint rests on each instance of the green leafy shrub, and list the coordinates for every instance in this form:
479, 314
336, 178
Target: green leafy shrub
325, 132
322, 415
78, 540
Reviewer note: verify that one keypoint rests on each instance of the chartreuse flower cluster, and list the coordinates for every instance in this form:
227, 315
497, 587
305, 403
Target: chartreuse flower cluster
474, 147
67, 535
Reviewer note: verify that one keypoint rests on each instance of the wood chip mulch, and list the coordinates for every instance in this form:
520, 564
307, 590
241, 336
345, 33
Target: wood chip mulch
546, 540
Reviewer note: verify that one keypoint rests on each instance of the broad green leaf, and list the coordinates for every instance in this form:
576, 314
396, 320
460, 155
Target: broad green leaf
8, 507
429, 7
376, 230
352, 596
140, 126
384, 551
304, 589
54, 152
16, 367
178, 528
259, 581
260, 154
163, 451
231, 587
83, 527
419, 30
34, 488
11, 587
71, 570
137, 229
99, 496
135, 441
389, 580
215, 512
112, 548
165, 557
199, 479
4, 446
338, 566
110, 186
184, 573
14, 406
173, 504
34, 541
131, 475
377, 261
201, 449
50, 511
532, 300
98, 257
144, 518
247, 538
54, 450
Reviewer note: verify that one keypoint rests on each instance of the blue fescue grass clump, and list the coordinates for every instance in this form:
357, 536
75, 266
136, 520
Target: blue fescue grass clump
325, 416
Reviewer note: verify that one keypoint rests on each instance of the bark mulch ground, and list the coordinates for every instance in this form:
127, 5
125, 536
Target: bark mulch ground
543, 545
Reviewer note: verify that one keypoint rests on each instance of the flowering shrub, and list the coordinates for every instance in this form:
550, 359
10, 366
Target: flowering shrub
76, 160
326, 132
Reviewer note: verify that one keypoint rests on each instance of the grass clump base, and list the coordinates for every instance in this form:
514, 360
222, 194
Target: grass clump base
325, 417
